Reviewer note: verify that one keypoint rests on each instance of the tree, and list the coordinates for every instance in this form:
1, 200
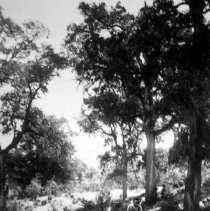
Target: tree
46, 152
198, 122
31, 78
191, 72
112, 116
116, 49
26, 68
16, 44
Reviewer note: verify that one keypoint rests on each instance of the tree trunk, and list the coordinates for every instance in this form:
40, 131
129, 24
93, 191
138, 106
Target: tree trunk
125, 176
124, 190
197, 192
151, 189
193, 181
2, 183
199, 50
208, 94
189, 188
193, 186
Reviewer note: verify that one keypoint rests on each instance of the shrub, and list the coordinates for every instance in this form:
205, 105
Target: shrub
66, 209
172, 179
20, 205
169, 204
117, 204
103, 198
34, 189
13, 206
88, 205
136, 181
52, 188
15, 192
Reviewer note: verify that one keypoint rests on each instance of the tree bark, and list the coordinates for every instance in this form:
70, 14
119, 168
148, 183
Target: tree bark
193, 186
198, 120
151, 189
189, 188
197, 192
2, 183
193, 181
124, 176
208, 94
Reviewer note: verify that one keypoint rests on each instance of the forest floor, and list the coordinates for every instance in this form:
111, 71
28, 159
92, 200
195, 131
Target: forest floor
78, 201
73, 202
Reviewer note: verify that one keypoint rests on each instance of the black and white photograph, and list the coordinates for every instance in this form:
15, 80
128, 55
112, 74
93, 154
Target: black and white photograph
104, 105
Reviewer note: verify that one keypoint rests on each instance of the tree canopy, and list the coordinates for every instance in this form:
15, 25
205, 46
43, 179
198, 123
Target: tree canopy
46, 153
159, 59
26, 68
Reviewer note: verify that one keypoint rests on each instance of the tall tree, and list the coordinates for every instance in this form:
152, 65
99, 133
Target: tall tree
161, 54
114, 48
189, 78
26, 69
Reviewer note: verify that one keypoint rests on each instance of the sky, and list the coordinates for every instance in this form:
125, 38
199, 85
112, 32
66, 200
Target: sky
64, 97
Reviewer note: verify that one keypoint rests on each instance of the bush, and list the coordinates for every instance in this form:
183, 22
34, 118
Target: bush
173, 179
136, 181
88, 205
103, 198
169, 204
52, 188
34, 189
20, 205
15, 192
117, 204
13, 206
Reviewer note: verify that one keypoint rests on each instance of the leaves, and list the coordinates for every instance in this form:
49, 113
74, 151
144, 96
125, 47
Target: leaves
45, 151
26, 68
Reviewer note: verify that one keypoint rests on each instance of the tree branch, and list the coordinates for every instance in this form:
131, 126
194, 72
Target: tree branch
107, 24
182, 27
165, 127
180, 4
14, 143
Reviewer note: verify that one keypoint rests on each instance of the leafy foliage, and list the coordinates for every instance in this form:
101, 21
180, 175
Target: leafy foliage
46, 151
26, 69
115, 52
33, 189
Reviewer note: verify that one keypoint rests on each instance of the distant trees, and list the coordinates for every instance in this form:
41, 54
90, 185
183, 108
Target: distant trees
85, 178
